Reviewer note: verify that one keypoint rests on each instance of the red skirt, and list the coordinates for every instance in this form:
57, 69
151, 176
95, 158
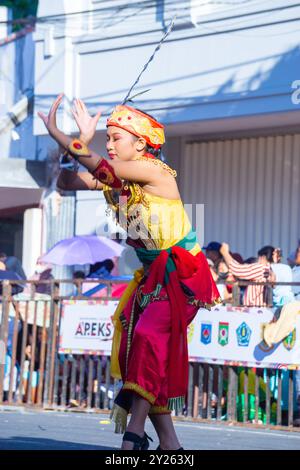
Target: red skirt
145, 368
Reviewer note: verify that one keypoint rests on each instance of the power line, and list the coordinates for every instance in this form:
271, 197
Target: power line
243, 15
213, 20
41, 19
172, 4
202, 23
146, 4
213, 33
226, 18
152, 3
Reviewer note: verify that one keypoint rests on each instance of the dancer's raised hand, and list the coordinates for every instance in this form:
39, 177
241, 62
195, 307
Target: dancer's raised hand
50, 119
86, 123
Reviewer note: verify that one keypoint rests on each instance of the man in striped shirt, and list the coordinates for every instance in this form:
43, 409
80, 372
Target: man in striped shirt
259, 271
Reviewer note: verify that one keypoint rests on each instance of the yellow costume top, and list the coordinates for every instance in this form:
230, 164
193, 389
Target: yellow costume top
152, 222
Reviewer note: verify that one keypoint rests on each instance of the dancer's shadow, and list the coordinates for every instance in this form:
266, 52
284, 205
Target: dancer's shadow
33, 443
262, 350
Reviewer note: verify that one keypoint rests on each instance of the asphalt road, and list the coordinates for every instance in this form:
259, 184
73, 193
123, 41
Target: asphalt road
48, 430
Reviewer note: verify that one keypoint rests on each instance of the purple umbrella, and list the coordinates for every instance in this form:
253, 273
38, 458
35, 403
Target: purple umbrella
85, 249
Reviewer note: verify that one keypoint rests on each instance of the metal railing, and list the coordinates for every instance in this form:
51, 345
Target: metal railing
35, 374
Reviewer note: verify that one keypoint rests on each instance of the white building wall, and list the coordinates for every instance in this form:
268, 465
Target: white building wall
205, 72
250, 189
205, 82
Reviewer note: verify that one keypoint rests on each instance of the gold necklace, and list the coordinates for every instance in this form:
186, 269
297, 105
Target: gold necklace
160, 163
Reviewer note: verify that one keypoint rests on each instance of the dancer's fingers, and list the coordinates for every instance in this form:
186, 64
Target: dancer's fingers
77, 106
83, 106
75, 110
74, 114
42, 116
97, 116
56, 104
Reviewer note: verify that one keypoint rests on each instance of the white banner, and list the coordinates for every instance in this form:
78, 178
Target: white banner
86, 327
225, 335
233, 336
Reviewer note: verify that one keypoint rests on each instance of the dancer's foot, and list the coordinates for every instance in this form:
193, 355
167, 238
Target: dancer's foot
133, 441
172, 444
161, 449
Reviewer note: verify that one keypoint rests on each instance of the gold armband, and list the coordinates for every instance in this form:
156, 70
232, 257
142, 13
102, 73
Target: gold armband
78, 149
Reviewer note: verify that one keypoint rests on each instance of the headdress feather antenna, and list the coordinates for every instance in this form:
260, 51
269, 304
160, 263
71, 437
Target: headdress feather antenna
169, 29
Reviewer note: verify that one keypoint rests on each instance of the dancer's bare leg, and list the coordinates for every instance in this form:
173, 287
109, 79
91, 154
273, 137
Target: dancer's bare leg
164, 427
139, 412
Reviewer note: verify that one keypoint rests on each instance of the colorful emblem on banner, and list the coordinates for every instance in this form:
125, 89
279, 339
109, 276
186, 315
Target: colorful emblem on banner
223, 333
243, 333
290, 340
206, 329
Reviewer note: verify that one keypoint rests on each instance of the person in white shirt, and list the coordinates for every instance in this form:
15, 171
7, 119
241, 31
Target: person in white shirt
283, 273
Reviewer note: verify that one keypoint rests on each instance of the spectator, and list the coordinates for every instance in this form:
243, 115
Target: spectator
237, 257
78, 275
251, 260
291, 259
13, 264
29, 357
42, 272
212, 251
101, 270
11, 276
283, 273
212, 269
256, 272
222, 278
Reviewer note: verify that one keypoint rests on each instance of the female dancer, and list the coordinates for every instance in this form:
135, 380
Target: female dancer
149, 350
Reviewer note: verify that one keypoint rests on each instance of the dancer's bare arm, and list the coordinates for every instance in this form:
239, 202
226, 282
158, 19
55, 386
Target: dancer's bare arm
72, 181
137, 171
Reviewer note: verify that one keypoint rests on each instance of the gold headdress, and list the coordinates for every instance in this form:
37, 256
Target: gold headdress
138, 124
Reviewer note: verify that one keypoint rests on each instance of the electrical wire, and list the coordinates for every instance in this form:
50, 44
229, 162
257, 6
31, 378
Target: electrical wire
147, 4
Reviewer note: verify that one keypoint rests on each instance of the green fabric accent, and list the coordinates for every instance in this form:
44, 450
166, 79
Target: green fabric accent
148, 256
176, 403
147, 297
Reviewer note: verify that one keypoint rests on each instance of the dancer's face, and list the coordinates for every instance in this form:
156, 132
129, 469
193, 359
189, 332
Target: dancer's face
122, 145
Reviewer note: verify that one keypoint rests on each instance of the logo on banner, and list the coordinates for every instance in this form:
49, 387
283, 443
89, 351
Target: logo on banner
290, 340
190, 332
86, 328
223, 333
206, 329
243, 333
